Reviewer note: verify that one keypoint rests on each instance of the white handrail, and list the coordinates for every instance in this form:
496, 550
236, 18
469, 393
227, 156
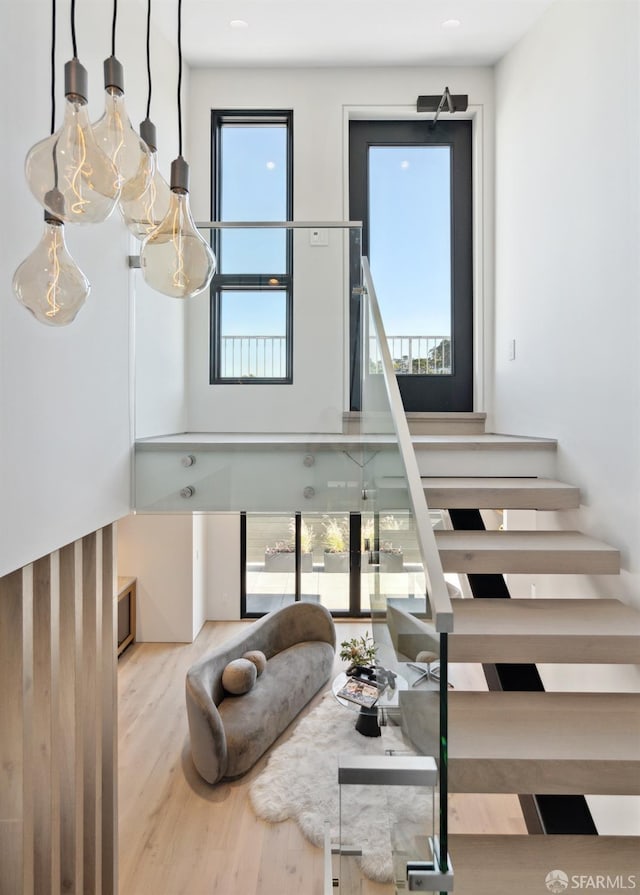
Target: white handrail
278, 225
441, 608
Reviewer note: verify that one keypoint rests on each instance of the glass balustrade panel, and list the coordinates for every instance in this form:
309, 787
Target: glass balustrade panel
401, 583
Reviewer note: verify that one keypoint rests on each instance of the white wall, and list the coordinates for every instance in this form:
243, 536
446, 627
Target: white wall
158, 551
187, 569
64, 394
567, 269
319, 99
567, 290
199, 553
222, 545
160, 397
159, 361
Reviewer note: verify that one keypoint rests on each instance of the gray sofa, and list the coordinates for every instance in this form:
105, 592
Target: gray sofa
230, 733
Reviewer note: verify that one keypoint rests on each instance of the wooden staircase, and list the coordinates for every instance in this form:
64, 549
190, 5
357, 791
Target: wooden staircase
530, 742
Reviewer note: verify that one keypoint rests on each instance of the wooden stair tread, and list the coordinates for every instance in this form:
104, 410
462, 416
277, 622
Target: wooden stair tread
544, 630
539, 742
525, 551
484, 492
502, 865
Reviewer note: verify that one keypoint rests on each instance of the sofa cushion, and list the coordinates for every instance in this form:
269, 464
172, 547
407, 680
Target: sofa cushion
258, 658
239, 676
254, 722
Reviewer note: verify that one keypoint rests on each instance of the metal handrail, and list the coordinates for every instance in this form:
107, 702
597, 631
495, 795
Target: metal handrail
278, 225
442, 610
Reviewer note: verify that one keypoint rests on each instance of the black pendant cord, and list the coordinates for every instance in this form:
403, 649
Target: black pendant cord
114, 22
74, 42
148, 57
53, 92
53, 66
180, 78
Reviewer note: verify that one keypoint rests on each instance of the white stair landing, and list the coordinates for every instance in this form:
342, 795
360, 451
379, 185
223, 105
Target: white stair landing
502, 865
528, 552
484, 492
544, 630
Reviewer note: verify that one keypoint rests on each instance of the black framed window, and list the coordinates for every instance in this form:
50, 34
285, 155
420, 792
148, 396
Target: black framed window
252, 290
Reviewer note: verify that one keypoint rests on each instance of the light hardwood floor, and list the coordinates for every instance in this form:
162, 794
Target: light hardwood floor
180, 836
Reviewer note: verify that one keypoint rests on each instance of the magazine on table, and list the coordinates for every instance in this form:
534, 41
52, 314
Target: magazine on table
364, 693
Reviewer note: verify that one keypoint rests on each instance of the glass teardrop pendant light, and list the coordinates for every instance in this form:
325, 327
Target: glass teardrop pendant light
175, 259
49, 283
115, 135
143, 214
67, 172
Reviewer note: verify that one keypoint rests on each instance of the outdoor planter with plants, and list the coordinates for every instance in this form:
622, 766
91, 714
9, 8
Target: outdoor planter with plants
391, 558
336, 551
281, 556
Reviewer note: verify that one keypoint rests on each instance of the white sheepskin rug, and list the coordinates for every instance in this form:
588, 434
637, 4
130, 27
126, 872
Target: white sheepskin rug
300, 781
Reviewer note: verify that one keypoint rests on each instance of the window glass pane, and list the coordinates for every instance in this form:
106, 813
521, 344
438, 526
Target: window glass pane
253, 334
326, 539
271, 580
410, 252
253, 188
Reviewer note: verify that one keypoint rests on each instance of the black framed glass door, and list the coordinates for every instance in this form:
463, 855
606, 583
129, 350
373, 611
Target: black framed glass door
410, 184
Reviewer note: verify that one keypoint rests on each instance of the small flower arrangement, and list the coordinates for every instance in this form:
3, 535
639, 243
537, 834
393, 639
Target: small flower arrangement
387, 547
359, 650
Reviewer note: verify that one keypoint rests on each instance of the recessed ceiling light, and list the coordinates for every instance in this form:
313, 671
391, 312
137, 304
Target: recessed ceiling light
451, 23
271, 165
238, 23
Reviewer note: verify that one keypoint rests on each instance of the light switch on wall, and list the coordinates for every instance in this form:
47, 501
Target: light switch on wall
319, 237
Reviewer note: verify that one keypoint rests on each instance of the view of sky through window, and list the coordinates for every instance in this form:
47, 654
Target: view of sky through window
254, 188
410, 237
254, 314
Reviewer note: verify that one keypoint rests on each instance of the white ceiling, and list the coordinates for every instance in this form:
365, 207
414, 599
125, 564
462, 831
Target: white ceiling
347, 32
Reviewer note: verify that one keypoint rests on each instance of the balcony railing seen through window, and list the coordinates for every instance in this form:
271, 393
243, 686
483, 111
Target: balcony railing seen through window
265, 357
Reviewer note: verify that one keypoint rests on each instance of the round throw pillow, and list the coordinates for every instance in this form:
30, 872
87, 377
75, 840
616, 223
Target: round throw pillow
258, 658
239, 676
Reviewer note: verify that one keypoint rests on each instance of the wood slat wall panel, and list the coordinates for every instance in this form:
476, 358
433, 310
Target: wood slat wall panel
40, 746
89, 711
109, 711
54, 727
66, 726
58, 768
28, 818
79, 717
11, 808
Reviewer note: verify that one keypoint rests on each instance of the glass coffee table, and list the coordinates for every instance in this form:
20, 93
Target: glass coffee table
367, 721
